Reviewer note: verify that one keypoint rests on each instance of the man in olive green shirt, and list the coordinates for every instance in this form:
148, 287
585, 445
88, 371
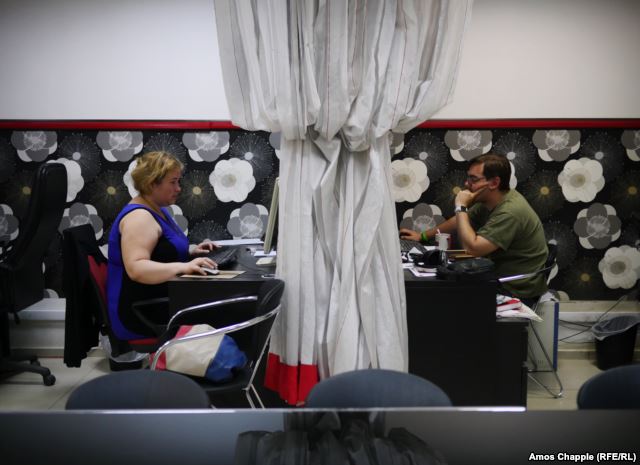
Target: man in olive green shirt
495, 221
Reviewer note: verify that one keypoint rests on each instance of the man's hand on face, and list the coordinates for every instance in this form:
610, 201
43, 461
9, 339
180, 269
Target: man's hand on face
466, 198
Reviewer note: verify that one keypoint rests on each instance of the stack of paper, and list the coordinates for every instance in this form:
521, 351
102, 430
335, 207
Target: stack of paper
511, 307
505, 302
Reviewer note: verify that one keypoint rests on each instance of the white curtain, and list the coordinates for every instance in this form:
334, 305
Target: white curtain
335, 77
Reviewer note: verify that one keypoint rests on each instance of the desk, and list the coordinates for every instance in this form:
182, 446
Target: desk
454, 338
184, 292
456, 342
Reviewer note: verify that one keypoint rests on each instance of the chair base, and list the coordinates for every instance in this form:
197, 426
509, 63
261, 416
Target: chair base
29, 363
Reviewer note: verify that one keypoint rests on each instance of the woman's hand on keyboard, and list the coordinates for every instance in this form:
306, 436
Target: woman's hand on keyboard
195, 266
203, 248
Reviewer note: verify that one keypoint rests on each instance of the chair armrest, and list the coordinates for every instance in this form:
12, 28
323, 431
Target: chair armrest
208, 305
225, 330
516, 277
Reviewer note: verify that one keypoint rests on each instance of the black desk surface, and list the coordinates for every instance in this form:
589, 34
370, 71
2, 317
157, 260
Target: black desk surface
454, 339
469, 436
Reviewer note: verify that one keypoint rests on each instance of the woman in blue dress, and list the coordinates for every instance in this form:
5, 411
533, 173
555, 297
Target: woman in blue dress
147, 248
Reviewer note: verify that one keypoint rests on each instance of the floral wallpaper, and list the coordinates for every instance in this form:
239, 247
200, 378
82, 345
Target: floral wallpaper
226, 187
584, 184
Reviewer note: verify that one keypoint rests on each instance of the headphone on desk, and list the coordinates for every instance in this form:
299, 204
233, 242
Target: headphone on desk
429, 259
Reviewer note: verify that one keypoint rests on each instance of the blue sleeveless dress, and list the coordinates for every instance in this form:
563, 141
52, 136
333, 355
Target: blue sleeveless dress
173, 246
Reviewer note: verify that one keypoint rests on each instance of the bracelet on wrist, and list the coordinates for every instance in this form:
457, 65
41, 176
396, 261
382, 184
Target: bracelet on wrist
423, 236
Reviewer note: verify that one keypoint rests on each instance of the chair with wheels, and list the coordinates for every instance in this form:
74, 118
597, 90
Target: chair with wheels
371, 388
138, 389
247, 318
615, 388
21, 275
546, 272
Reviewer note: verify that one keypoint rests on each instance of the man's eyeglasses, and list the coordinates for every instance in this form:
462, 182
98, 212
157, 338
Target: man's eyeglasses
474, 179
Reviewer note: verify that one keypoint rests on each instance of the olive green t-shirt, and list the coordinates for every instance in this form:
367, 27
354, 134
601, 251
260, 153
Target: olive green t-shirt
522, 248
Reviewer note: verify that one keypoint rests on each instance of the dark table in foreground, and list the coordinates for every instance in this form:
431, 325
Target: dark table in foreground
454, 338
469, 436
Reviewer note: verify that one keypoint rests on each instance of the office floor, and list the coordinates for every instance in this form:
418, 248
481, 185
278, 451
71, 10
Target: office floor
25, 391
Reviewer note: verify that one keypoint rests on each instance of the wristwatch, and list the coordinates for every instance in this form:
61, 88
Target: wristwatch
460, 208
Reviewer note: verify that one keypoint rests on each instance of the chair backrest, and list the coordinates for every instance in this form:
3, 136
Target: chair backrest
615, 388
84, 283
138, 389
546, 270
23, 263
371, 388
551, 260
269, 297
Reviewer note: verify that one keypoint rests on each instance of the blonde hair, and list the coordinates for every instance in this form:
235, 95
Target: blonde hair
151, 168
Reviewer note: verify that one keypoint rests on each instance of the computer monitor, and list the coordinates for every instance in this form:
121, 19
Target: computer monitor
271, 233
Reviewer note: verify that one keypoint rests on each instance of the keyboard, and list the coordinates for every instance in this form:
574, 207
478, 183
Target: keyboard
406, 245
224, 256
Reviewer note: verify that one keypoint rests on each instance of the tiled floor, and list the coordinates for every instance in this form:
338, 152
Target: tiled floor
26, 391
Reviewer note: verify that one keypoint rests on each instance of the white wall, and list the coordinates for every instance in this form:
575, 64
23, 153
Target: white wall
550, 59
157, 59
110, 59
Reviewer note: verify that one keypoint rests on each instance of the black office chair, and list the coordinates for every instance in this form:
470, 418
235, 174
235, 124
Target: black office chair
615, 388
21, 275
252, 335
138, 389
546, 272
371, 388
84, 285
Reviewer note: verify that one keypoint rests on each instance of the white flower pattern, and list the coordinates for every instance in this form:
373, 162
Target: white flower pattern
631, 142
119, 145
556, 144
232, 180
409, 179
248, 222
206, 146
597, 226
581, 180
422, 217
620, 267
34, 145
79, 214
466, 145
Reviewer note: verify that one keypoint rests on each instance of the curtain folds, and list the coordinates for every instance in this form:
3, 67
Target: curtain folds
335, 78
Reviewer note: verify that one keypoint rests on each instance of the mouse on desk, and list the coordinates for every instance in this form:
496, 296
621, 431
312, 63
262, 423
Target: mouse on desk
210, 271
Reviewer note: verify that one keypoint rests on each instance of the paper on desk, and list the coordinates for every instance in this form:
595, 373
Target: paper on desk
238, 242
423, 272
260, 253
522, 312
222, 274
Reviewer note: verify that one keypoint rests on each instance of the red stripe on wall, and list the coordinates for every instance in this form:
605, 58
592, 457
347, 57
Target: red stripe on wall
116, 125
128, 125
627, 123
